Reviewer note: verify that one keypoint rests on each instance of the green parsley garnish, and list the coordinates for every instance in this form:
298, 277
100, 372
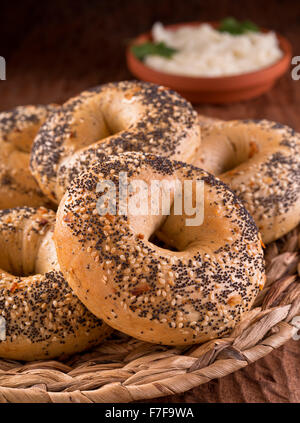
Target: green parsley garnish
149, 48
235, 27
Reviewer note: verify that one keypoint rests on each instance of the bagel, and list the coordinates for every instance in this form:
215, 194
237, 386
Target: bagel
207, 120
116, 117
195, 293
40, 317
260, 161
18, 128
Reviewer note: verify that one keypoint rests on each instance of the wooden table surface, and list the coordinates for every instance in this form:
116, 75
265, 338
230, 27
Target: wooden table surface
55, 50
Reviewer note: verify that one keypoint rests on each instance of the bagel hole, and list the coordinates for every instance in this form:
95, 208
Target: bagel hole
161, 242
23, 263
12, 263
233, 163
239, 149
233, 160
12, 270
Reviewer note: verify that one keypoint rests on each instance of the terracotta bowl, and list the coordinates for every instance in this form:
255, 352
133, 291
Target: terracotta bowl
225, 89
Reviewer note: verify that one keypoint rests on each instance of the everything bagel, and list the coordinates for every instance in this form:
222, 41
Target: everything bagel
40, 317
18, 128
116, 117
195, 289
260, 161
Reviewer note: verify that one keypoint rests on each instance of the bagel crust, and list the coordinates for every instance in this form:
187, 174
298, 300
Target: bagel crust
195, 293
18, 129
42, 316
111, 119
260, 161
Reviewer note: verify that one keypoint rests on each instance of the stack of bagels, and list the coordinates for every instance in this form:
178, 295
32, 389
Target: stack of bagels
70, 275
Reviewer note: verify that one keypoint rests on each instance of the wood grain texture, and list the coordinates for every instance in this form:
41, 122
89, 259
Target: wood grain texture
57, 49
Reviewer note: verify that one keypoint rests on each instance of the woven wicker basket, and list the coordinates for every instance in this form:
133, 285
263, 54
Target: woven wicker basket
123, 369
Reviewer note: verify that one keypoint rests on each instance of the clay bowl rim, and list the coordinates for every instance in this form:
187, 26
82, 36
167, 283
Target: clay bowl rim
213, 83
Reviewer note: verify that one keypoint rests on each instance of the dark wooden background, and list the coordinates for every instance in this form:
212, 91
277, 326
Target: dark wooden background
56, 49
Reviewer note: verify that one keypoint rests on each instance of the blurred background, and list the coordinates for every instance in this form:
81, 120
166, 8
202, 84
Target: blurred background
56, 49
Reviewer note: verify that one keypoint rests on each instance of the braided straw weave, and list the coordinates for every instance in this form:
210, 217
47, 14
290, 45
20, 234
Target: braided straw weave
123, 369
